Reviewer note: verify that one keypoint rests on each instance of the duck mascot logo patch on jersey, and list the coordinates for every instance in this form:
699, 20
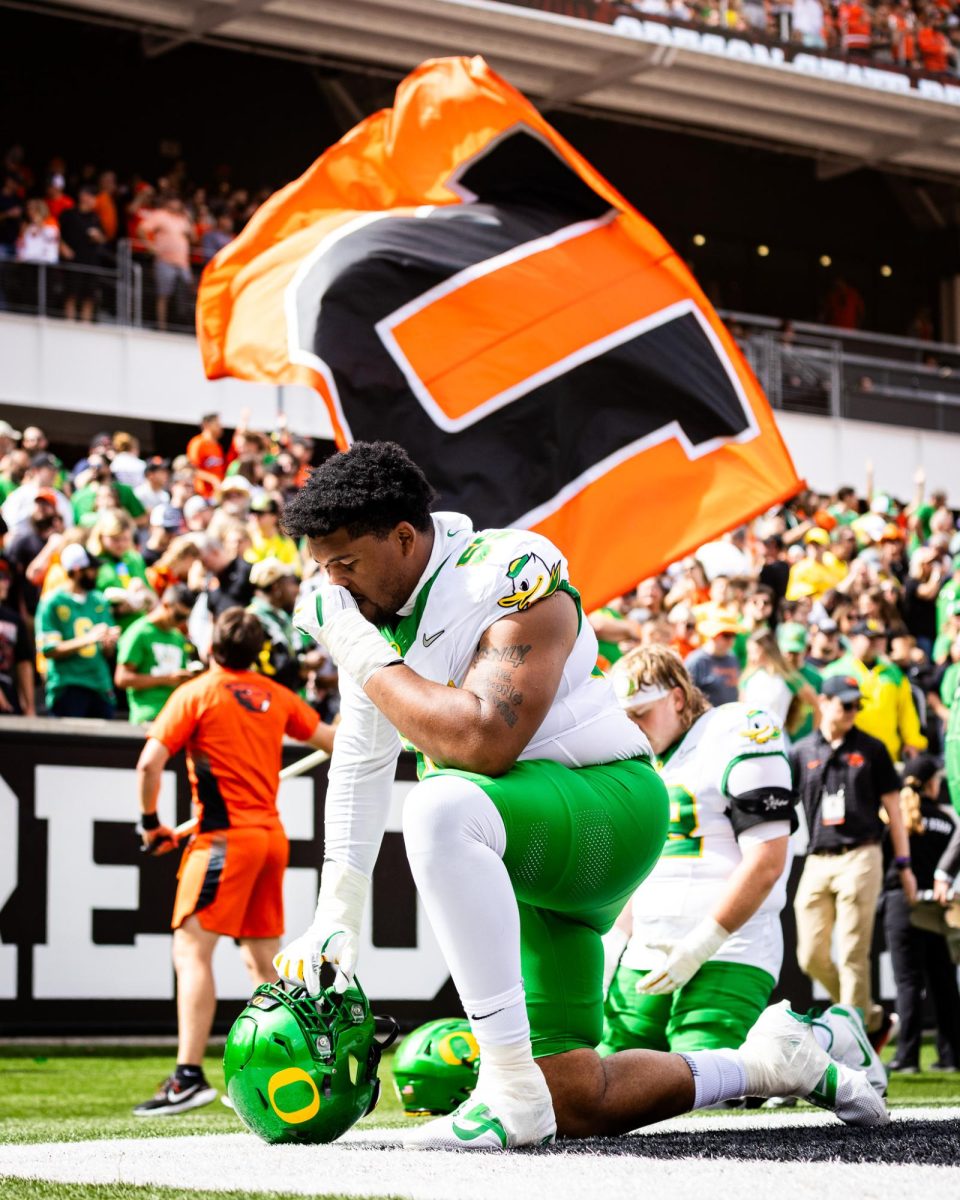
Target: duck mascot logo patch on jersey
760, 728
532, 580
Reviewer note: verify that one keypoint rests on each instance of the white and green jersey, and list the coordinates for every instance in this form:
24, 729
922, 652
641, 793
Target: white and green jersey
471, 581
729, 784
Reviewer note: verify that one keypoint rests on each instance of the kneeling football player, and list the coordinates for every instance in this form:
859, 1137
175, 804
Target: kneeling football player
537, 814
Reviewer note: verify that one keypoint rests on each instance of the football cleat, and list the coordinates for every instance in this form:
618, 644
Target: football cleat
783, 1058
841, 1032
849, 1094
175, 1097
493, 1119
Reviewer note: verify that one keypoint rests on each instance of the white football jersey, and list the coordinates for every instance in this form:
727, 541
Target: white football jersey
729, 750
471, 581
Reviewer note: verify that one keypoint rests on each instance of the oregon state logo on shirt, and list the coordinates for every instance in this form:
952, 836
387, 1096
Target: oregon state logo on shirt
251, 697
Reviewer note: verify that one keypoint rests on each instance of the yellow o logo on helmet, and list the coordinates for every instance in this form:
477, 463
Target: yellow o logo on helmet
287, 1076
468, 1045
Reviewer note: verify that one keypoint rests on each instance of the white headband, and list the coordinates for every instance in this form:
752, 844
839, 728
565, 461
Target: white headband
631, 697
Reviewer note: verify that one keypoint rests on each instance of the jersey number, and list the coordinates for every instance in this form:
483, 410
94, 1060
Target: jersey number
683, 835
81, 626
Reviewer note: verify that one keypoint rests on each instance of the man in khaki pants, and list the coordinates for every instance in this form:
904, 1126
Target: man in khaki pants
844, 777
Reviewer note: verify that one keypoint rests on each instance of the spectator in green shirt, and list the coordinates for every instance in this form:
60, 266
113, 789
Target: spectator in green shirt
792, 639
152, 654
75, 633
122, 574
84, 499
948, 598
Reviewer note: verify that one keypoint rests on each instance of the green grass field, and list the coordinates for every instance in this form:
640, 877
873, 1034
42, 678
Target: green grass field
74, 1093
57, 1094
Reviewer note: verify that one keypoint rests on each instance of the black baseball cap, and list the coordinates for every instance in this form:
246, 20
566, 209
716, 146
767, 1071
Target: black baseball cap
922, 768
844, 687
871, 628
157, 464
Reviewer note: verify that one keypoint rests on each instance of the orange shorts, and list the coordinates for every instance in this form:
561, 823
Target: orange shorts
232, 880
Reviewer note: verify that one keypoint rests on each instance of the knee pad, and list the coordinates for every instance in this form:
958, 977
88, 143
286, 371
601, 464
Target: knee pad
446, 812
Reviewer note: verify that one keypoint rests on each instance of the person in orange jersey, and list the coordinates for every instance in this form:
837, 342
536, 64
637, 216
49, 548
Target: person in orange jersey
231, 722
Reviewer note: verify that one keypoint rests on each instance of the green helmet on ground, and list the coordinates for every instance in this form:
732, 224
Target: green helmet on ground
435, 1067
302, 1068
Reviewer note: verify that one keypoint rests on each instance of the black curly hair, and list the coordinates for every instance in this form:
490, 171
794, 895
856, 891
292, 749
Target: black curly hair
370, 488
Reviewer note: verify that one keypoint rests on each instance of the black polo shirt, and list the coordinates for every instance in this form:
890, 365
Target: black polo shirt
860, 765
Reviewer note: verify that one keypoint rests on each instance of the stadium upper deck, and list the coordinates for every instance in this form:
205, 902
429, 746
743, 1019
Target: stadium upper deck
608, 55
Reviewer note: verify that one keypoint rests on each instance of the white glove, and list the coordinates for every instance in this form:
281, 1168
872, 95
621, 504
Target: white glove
334, 936
683, 959
331, 617
614, 944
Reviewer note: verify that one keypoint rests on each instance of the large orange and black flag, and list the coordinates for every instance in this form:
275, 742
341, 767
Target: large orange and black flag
453, 276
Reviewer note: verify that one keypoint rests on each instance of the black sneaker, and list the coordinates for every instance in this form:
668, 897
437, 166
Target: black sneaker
903, 1068
888, 1029
176, 1097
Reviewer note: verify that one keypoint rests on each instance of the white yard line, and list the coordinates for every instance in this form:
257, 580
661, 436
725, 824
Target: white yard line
224, 1162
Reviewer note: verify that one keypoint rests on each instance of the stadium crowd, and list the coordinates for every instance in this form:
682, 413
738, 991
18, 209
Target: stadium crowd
115, 568
76, 217
763, 613
904, 33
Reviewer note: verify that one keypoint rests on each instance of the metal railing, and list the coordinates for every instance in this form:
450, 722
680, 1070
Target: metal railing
803, 367
112, 294
815, 369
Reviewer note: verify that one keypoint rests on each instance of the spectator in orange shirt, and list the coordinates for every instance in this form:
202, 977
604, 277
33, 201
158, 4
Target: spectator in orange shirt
855, 29
936, 50
231, 722
106, 205
902, 23
57, 200
844, 307
168, 231
206, 455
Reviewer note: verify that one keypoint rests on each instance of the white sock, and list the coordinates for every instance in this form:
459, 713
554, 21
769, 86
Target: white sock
824, 1036
717, 1075
455, 841
498, 1020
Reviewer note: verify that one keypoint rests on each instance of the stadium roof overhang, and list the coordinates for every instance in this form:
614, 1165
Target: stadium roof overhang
637, 72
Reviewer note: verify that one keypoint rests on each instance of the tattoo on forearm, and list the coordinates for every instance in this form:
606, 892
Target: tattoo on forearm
505, 711
510, 656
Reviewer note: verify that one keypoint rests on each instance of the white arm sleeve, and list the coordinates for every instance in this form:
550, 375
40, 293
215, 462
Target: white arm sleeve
758, 771
767, 832
362, 768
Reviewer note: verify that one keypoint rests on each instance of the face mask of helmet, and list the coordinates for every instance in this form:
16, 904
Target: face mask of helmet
435, 1067
302, 1068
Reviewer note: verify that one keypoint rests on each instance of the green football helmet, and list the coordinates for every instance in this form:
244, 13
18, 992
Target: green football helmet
435, 1067
303, 1068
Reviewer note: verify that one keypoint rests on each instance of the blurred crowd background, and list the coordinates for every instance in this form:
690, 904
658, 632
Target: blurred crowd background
133, 555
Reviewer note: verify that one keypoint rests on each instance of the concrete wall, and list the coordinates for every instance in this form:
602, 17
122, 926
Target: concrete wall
50, 364
830, 452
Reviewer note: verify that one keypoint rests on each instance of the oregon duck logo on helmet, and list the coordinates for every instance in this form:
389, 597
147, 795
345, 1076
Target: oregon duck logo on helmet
435, 1067
303, 1068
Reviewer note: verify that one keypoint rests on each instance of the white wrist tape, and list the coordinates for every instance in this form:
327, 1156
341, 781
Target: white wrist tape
356, 646
343, 894
705, 939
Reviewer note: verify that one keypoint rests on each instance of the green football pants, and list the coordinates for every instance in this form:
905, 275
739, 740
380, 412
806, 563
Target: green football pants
714, 1011
579, 842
